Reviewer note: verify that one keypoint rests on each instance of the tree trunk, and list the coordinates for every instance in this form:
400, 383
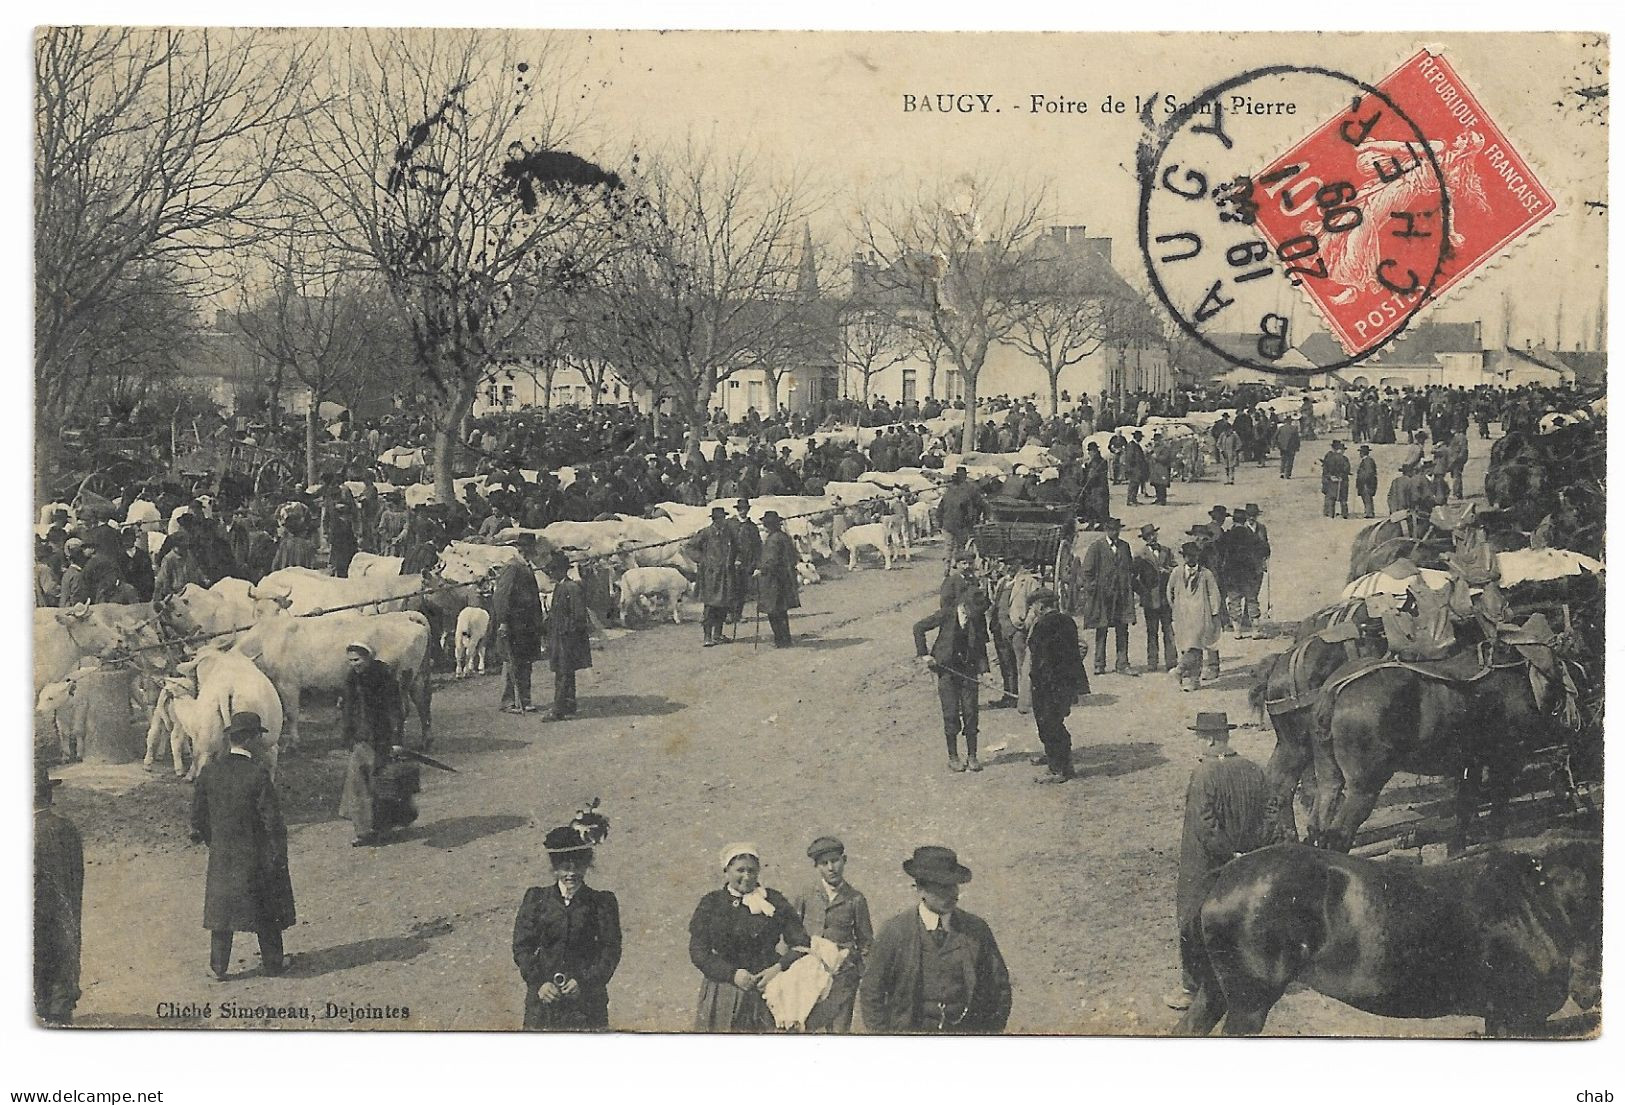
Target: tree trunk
968, 445
446, 440
693, 409
312, 418
865, 387
1054, 394
273, 409
772, 393
931, 380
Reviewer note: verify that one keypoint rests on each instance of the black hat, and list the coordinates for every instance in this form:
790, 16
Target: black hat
1219, 512
525, 540
1216, 722
1338, 445
1252, 508
1112, 523
742, 504
1191, 548
586, 830
1044, 595
558, 564
934, 863
719, 512
245, 724
771, 518
1365, 448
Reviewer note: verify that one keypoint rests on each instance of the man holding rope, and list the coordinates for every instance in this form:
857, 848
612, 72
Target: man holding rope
959, 658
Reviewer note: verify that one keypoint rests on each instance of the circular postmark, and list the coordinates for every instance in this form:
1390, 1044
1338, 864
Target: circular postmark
1354, 217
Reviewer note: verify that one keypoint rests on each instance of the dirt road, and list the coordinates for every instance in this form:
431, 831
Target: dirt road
690, 748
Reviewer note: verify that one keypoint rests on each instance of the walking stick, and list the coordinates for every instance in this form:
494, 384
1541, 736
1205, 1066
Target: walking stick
756, 634
1267, 605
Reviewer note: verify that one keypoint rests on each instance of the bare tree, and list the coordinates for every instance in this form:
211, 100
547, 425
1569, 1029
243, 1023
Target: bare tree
310, 318
1073, 304
871, 341
150, 146
932, 351
439, 163
960, 251
710, 280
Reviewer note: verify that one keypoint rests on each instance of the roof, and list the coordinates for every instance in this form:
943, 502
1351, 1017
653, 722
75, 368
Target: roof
1422, 344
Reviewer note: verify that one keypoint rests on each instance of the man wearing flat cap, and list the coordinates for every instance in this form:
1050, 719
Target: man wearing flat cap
958, 656
713, 551
1224, 818
936, 968
236, 812
836, 910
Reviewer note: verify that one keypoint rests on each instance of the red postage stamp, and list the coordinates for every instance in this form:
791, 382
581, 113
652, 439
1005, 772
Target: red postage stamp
1368, 219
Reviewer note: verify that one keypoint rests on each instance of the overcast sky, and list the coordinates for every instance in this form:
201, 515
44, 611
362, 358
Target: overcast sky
834, 102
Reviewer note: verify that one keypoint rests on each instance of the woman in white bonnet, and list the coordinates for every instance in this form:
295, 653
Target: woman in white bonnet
735, 939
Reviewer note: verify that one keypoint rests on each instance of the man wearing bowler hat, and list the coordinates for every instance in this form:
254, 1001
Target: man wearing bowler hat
747, 555
1224, 818
936, 968
237, 814
516, 622
1153, 564
1106, 594
1365, 481
778, 590
1334, 481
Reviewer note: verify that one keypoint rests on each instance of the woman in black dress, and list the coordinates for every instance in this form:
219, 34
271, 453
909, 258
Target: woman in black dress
567, 937
734, 939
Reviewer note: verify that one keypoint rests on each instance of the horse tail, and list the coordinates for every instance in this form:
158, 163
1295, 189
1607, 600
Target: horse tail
1258, 693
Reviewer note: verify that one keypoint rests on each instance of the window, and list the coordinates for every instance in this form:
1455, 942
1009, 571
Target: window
755, 395
909, 386
950, 385
507, 395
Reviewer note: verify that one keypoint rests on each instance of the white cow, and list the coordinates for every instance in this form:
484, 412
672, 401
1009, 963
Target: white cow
473, 623
371, 564
923, 517
469, 562
196, 706
213, 610
65, 637
855, 491
640, 586
301, 591
883, 537
62, 706
297, 653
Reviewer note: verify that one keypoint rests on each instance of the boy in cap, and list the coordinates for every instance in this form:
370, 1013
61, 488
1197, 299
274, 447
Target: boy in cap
936, 968
836, 910
1224, 818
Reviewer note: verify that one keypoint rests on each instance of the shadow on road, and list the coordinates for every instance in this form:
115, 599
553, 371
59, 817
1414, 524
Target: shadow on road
1098, 698
1096, 760
384, 949
822, 643
622, 705
454, 832
480, 744
1235, 681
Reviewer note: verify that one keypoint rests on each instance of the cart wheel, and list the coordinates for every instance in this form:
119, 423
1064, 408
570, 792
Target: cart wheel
274, 473
104, 483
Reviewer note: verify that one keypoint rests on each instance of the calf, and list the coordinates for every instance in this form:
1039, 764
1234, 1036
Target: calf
881, 536
642, 585
195, 707
64, 708
473, 623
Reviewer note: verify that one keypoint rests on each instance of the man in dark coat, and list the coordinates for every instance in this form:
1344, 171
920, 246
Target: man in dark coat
1094, 498
712, 549
747, 551
1136, 468
777, 586
962, 507
1241, 556
1287, 440
936, 968
1058, 679
236, 812
1334, 481
1224, 818
378, 791
568, 647
59, 888
958, 656
1365, 481
516, 625
1153, 564
1106, 594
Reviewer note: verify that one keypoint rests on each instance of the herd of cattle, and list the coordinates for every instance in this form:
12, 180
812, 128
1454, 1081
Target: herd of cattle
202, 653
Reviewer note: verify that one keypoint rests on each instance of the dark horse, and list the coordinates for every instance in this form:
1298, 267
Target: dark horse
1394, 718
1286, 688
1500, 935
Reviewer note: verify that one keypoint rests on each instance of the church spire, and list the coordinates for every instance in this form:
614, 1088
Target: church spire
807, 278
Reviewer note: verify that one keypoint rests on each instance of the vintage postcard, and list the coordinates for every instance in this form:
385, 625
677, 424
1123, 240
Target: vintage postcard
813, 532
